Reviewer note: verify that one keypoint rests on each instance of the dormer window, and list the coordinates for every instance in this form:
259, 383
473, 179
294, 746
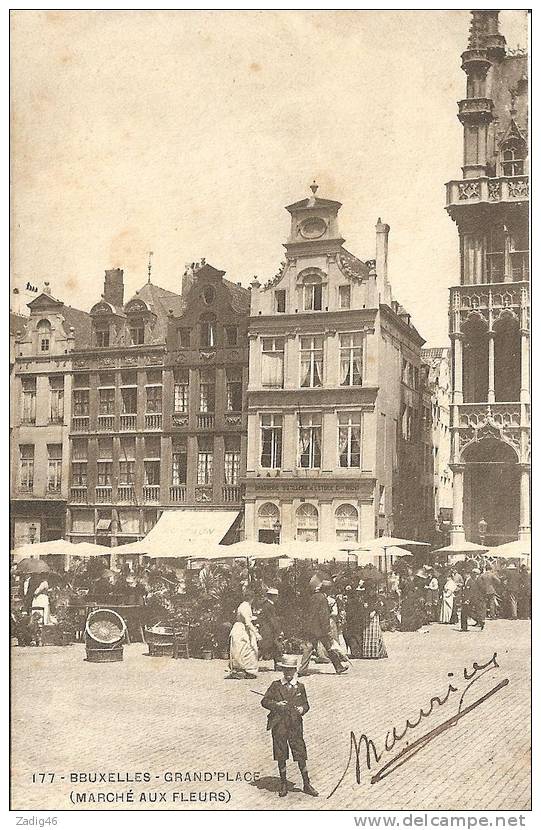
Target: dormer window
312, 294
207, 331
137, 332
344, 296
280, 301
512, 155
101, 335
44, 336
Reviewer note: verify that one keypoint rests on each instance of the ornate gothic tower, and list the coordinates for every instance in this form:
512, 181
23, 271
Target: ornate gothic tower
489, 310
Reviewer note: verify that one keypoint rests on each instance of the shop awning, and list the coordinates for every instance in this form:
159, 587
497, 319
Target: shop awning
189, 533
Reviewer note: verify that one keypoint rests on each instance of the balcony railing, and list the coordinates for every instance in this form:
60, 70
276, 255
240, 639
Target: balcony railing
128, 423
177, 493
477, 415
205, 420
104, 494
484, 295
80, 423
483, 189
151, 493
79, 494
125, 494
153, 420
231, 493
106, 423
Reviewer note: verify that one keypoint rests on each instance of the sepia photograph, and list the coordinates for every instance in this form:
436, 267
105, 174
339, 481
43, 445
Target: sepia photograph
269, 411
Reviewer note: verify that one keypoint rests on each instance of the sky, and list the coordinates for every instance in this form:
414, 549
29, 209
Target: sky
186, 134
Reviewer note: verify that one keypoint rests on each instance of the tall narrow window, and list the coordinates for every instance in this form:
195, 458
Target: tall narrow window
137, 332
26, 467
106, 401
179, 470
29, 401
54, 467
152, 473
79, 473
349, 439
312, 361
80, 402
232, 460
127, 462
44, 335
512, 158
56, 386
344, 296
101, 336
183, 337
153, 399
272, 362
495, 256
312, 294
309, 454
231, 335
351, 359
234, 390
207, 331
128, 399
207, 390
204, 461
181, 390
271, 440
280, 301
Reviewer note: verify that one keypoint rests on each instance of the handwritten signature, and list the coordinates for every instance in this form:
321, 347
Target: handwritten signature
373, 755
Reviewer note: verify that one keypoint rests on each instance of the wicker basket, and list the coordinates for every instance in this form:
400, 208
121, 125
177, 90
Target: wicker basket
159, 640
104, 655
105, 629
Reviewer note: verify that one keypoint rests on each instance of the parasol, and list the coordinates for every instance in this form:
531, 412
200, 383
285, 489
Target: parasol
462, 547
381, 545
60, 547
518, 549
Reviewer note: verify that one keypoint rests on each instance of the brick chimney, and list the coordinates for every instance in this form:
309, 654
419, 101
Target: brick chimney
113, 287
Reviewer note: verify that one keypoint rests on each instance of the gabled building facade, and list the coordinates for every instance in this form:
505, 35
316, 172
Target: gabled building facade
41, 390
333, 394
489, 311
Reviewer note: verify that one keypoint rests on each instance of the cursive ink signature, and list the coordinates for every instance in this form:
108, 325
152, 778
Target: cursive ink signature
373, 755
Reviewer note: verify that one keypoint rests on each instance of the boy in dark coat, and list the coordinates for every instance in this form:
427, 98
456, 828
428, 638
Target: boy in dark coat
287, 704
319, 631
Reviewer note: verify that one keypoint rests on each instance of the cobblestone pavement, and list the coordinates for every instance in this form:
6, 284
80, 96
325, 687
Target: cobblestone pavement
158, 715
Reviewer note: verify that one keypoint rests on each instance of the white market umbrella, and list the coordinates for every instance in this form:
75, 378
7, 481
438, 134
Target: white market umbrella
86, 549
381, 545
60, 547
518, 549
462, 547
247, 549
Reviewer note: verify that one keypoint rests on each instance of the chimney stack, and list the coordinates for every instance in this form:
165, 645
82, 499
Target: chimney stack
113, 287
382, 253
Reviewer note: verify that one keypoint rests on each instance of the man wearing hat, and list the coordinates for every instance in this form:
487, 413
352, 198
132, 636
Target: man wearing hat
270, 629
319, 630
473, 601
287, 703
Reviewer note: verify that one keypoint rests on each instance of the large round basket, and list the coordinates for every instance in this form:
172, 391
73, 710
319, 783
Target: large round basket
159, 639
105, 629
104, 655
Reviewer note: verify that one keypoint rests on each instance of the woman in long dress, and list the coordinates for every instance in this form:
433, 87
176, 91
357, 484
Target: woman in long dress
40, 601
373, 647
243, 643
448, 600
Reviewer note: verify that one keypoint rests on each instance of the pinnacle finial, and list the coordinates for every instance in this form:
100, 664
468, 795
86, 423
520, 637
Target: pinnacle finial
150, 255
314, 187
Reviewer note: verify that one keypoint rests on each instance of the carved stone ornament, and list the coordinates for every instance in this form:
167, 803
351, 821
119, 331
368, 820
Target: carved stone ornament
468, 190
494, 191
207, 355
153, 359
497, 421
106, 362
203, 494
130, 360
180, 420
518, 189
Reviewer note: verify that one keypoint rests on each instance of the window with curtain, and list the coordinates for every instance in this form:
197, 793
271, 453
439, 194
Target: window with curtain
232, 460
205, 457
271, 440
153, 399
207, 390
152, 473
29, 401
54, 467
128, 397
102, 336
351, 359
312, 292
309, 450
26, 466
268, 523
181, 390
311, 361
44, 335
207, 331
105, 473
56, 386
106, 401
347, 523
349, 439
79, 473
307, 523
137, 332
272, 362
179, 471
126, 472
234, 390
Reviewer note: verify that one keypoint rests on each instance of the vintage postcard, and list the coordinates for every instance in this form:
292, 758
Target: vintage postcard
270, 411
